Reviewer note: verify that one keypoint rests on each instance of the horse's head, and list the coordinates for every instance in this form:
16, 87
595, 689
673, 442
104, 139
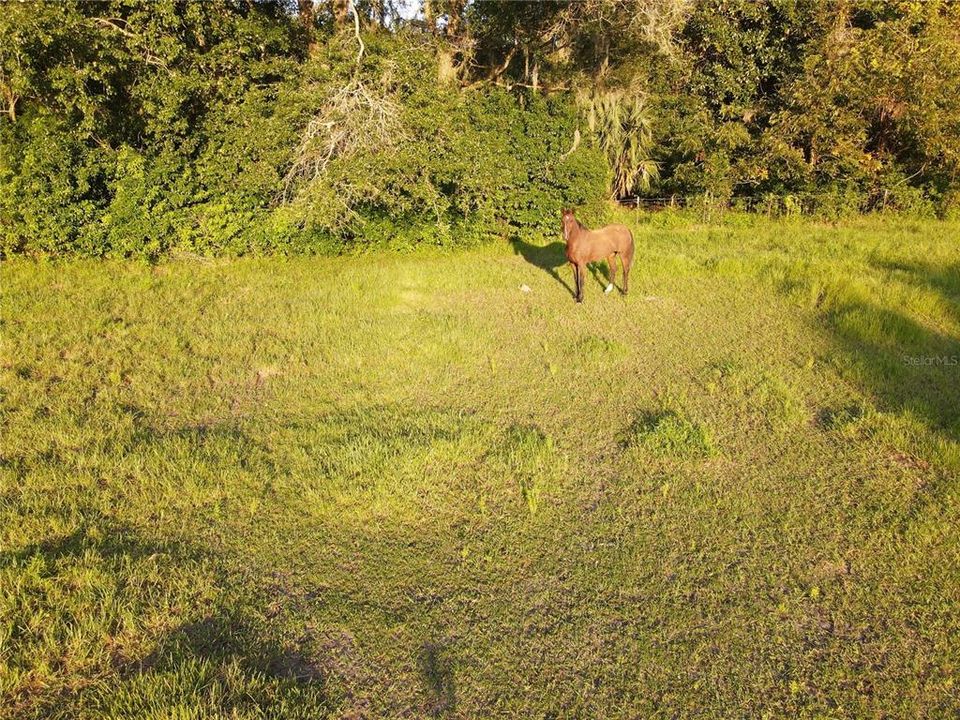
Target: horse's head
569, 222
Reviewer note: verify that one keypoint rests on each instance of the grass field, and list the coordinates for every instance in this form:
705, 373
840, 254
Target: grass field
398, 486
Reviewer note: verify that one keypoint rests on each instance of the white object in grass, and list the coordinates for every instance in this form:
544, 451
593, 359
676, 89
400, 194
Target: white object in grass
609, 288
524, 288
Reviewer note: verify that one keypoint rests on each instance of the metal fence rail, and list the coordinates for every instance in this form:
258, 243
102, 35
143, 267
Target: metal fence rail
770, 204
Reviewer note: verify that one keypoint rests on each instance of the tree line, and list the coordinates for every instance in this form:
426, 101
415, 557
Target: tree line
237, 126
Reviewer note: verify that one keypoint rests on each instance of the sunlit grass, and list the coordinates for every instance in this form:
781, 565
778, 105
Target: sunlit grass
397, 485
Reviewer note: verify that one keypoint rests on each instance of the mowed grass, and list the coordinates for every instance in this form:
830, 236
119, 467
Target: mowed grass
398, 486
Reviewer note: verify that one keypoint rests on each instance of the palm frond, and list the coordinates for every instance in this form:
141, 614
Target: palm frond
622, 127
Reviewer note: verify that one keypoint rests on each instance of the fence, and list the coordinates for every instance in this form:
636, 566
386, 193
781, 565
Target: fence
768, 204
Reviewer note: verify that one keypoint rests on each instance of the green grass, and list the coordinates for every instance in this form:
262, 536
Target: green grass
397, 486
669, 433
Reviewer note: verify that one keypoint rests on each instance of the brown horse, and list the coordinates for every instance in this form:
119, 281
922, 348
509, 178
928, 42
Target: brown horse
587, 246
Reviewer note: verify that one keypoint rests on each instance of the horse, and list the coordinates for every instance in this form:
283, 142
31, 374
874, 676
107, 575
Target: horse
587, 246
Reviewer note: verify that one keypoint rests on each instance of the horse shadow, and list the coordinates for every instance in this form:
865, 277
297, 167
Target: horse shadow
552, 256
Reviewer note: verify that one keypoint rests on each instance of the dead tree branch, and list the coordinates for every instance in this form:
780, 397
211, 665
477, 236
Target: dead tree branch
356, 32
354, 119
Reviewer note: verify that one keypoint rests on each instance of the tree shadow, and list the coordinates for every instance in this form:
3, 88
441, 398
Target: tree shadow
913, 373
901, 361
944, 280
242, 664
909, 365
229, 638
225, 664
111, 539
906, 366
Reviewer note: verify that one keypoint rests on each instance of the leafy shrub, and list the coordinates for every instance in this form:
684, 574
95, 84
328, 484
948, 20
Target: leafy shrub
51, 188
463, 167
458, 167
229, 127
948, 207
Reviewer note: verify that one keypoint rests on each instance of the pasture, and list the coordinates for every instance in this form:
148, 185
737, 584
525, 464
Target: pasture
397, 485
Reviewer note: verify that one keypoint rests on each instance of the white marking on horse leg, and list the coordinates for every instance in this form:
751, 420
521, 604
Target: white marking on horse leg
608, 288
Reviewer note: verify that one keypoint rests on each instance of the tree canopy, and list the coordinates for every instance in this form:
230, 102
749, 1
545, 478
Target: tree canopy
268, 126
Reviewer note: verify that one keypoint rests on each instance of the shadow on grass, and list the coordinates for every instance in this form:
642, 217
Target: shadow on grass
110, 539
241, 665
602, 276
546, 257
944, 280
229, 638
437, 671
912, 372
905, 365
550, 257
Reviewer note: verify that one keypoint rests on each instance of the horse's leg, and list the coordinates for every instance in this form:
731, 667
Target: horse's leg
576, 282
627, 258
581, 270
612, 266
